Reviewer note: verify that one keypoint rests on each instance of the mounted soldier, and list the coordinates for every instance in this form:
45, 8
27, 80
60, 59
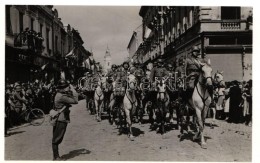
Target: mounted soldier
159, 71
193, 68
139, 74
111, 73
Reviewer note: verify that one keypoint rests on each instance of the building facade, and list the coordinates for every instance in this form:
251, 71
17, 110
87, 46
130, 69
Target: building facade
224, 35
133, 45
36, 42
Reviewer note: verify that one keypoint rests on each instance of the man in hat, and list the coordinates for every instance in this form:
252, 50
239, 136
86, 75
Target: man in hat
159, 71
180, 68
193, 67
112, 73
122, 74
18, 100
65, 96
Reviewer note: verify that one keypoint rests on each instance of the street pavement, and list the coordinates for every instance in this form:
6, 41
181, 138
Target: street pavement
89, 140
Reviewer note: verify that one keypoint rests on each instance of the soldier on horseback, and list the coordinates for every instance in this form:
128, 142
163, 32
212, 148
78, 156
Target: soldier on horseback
192, 68
111, 73
138, 72
159, 71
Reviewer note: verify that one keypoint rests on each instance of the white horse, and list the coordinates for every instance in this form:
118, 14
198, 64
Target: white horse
201, 99
219, 93
130, 103
99, 98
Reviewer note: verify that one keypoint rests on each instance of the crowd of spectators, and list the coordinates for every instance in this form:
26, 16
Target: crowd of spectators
237, 106
20, 95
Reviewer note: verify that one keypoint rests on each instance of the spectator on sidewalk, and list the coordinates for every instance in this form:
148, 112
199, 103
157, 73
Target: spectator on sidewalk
227, 100
18, 102
235, 96
247, 103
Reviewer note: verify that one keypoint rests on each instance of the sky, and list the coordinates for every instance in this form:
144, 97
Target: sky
102, 26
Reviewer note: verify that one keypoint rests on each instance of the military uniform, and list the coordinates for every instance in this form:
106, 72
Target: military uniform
159, 72
193, 67
63, 98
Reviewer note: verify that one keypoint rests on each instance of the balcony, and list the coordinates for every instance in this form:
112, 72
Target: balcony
223, 25
29, 40
230, 25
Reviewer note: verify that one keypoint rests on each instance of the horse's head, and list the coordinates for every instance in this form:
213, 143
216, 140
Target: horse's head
161, 87
103, 82
218, 77
82, 82
206, 77
132, 82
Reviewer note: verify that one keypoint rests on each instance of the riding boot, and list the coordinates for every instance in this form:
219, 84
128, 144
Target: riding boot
55, 150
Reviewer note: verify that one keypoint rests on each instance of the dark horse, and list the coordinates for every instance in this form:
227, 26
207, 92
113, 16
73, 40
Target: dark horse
162, 101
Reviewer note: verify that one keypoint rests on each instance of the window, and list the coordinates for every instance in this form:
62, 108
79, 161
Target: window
47, 39
32, 21
41, 28
61, 45
8, 19
230, 13
190, 18
107, 63
56, 44
21, 21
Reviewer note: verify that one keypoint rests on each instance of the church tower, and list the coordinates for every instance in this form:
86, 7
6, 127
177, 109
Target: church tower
107, 61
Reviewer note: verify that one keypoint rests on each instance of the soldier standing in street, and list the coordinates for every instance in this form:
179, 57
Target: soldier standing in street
65, 96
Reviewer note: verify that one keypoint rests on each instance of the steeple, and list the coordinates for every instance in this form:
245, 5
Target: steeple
107, 52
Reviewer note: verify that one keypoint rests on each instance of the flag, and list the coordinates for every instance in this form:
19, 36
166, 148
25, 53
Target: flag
44, 66
71, 53
147, 32
87, 64
62, 75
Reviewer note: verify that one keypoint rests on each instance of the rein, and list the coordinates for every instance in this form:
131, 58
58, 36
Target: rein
202, 97
132, 102
99, 95
164, 96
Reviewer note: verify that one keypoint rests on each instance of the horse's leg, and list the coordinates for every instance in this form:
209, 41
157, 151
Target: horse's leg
178, 117
187, 119
111, 111
203, 118
150, 114
100, 109
128, 120
171, 113
97, 108
163, 118
141, 111
214, 116
201, 127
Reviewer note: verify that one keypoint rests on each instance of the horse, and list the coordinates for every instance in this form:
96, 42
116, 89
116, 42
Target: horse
171, 85
183, 111
107, 90
162, 101
219, 95
146, 99
98, 98
201, 99
130, 103
86, 86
